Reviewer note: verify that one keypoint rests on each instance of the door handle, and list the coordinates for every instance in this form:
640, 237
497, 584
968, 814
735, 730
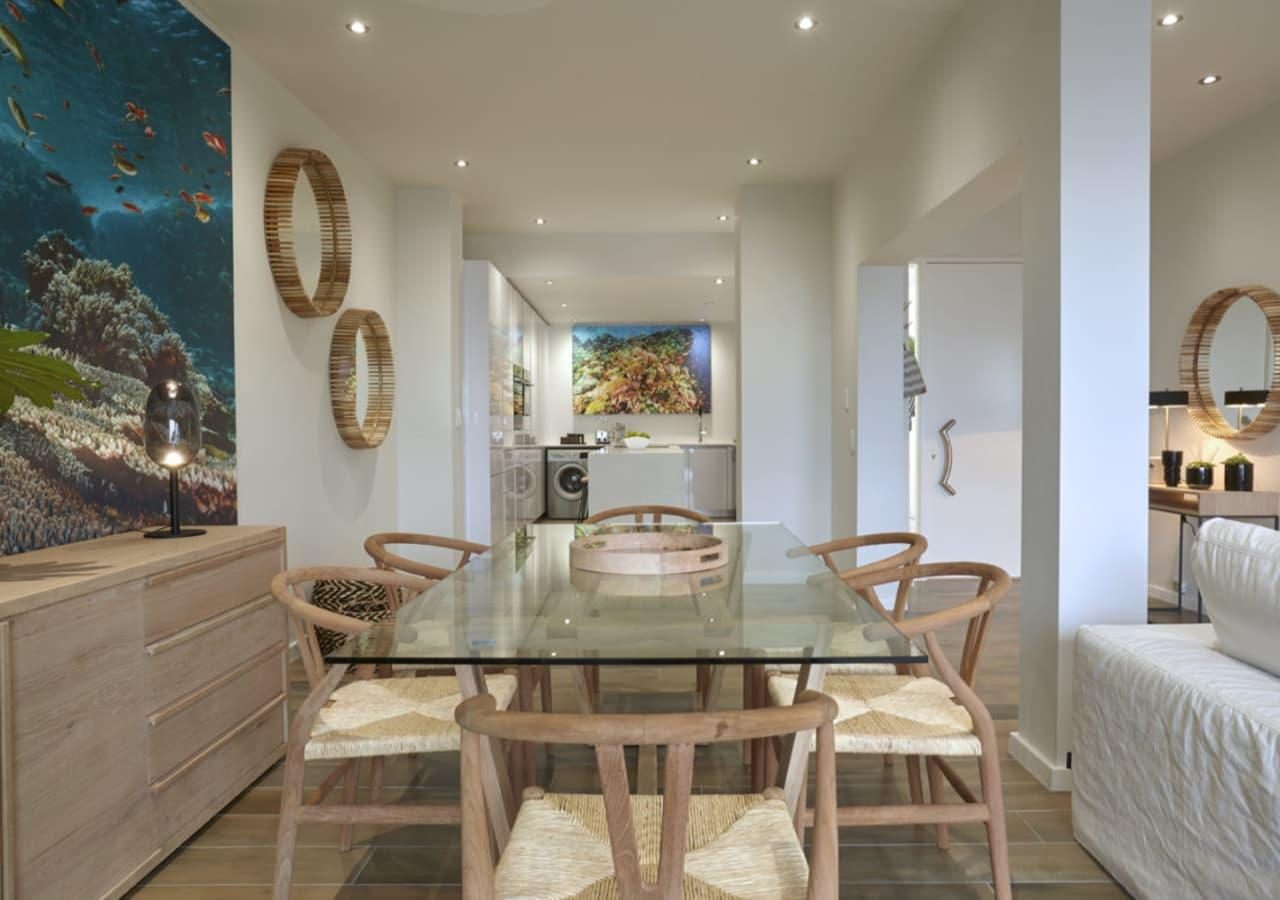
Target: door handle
948, 456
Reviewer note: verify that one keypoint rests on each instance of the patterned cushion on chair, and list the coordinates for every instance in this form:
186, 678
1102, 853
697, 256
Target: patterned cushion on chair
358, 599
895, 714
738, 846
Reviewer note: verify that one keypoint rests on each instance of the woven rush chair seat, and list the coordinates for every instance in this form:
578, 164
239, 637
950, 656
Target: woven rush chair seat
738, 846
391, 716
895, 714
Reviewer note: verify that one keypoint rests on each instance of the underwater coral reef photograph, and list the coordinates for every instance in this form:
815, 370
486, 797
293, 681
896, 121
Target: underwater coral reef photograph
115, 258
641, 369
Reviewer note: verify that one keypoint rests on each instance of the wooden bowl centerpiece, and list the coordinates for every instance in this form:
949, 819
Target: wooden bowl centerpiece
647, 553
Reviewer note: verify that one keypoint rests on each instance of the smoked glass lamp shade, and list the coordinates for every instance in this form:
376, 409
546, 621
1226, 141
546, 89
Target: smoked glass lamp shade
171, 425
171, 436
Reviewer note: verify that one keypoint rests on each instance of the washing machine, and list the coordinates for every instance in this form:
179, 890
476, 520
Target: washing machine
566, 483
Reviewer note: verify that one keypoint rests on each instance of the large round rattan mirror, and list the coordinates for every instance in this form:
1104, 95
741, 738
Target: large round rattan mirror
362, 380
1231, 350
308, 232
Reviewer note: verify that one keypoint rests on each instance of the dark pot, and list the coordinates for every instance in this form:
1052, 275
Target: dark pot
1238, 476
1172, 461
1200, 476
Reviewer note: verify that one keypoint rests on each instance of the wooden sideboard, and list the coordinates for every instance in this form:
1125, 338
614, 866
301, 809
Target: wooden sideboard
142, 687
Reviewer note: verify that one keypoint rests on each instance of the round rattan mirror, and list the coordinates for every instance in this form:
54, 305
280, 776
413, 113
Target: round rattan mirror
1225, 345
362, 378
308, 230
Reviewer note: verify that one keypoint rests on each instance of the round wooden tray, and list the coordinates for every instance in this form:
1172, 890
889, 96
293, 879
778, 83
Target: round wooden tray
647, 553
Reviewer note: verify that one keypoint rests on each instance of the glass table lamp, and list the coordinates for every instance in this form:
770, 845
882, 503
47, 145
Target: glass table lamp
1170, 459
171, 435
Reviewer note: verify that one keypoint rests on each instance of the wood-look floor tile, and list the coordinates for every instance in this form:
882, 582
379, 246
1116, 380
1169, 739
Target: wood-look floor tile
302, 892
238, 830
1052, 825
1019, 832
256, 865
1069, 892
965, 863
413, 865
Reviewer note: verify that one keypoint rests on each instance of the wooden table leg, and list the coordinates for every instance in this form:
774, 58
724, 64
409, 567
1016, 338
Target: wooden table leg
525, 750
497, 785
795, 765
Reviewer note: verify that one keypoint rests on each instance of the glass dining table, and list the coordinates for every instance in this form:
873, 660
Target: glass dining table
523, 605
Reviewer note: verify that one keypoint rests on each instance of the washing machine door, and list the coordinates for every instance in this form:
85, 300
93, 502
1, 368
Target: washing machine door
570, 481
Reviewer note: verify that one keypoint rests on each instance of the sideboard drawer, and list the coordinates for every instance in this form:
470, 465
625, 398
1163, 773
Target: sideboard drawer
191, 659
178, 599
203, 784
190, 724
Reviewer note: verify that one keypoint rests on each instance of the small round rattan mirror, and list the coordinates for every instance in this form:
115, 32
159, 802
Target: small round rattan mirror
308, 231
362, 378
1223, 347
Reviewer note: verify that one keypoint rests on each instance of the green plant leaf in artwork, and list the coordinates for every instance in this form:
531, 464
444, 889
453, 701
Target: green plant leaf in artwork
31, 375
1238, 460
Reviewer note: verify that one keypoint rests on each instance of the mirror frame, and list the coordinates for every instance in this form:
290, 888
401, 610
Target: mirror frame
335, 232
343, 391
1193, 363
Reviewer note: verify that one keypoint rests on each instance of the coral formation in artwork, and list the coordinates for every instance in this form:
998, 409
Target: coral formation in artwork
115, 181
641, 369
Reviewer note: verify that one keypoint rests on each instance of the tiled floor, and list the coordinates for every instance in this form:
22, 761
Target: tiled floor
233, 857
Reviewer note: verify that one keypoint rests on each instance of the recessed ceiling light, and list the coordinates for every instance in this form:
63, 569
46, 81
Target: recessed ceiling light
564, 305
539, 221
1210, 79
754, 161
806, 23
719, 281
550, 282
355, 26
1168, 20
461, 163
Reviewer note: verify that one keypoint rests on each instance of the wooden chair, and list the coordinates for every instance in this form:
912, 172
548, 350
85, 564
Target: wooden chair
644, 846
655, 514
923, 715
368, 718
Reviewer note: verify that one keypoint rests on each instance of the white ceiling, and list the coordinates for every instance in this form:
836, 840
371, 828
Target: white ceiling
611, 300
598, 115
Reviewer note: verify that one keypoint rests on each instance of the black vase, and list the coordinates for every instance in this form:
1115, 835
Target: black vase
1200, 476
1172, 461
1238, 476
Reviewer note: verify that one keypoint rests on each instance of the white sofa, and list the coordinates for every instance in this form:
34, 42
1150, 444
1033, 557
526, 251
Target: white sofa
1176, 744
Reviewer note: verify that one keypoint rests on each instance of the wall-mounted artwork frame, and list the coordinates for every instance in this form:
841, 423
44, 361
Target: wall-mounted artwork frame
361, 432
641, 369
283, 181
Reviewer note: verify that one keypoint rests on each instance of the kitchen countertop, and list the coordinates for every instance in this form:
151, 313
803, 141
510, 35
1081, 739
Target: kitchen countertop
602, 446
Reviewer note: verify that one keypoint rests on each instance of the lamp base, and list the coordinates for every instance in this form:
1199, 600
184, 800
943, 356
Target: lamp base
169, 533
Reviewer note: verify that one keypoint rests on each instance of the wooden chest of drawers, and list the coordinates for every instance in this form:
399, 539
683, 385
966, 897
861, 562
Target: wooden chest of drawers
142, 686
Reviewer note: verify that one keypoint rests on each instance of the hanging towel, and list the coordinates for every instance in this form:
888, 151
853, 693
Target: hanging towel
912, 378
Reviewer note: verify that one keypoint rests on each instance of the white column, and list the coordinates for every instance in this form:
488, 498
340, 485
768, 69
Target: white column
785, 307
1085, 351
427, 342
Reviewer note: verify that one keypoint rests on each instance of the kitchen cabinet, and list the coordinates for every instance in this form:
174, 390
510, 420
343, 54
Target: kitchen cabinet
712, 479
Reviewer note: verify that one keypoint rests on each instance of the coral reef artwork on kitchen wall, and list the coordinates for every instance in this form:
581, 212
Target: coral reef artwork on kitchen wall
641, 369
115, 242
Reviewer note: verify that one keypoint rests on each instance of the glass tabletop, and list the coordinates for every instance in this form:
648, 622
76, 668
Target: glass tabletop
524, 604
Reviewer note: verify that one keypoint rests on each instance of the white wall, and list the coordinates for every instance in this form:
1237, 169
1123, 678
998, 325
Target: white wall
293, 468
784, 324
556, 255
1214, 224
555, 393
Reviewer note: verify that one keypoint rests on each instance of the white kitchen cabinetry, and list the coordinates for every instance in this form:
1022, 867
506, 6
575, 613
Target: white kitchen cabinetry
712, 479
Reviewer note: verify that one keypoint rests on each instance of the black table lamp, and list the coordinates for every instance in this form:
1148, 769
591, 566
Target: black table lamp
1171, 459
1242, 398
172, 437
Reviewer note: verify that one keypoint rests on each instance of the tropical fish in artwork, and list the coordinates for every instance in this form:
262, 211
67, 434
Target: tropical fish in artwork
149, 132
119, 147
114, 176
202, 197
15, 11
48, 148
120, 189
202, 214
61, 4
89, 210
97, 57
20, 117
132, 207
125, 166
224, 92
66, 105
215, 143
57, 180
139, 157
186, 198
14, 46
134, 113
40, 116
186, 168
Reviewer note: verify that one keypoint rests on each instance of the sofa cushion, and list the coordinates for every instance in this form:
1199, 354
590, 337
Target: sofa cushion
1237, 567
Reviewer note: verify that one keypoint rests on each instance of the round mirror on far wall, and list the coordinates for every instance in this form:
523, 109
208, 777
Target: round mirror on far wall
1230, 360
361, 378
308, 232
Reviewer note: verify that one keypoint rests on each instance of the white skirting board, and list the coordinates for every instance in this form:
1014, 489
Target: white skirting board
1050, 774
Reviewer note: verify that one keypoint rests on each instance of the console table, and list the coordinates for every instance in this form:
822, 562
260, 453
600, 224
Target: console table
142, 687
1192, 506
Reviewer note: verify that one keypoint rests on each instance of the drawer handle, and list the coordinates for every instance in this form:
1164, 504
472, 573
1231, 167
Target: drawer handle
212, 562
201, 628
159, 787
177, 706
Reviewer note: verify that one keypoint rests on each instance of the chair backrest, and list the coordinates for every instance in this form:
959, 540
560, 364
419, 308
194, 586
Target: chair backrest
610, 735
913, 547
306, 618
974, 606
656, 514
376, 545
